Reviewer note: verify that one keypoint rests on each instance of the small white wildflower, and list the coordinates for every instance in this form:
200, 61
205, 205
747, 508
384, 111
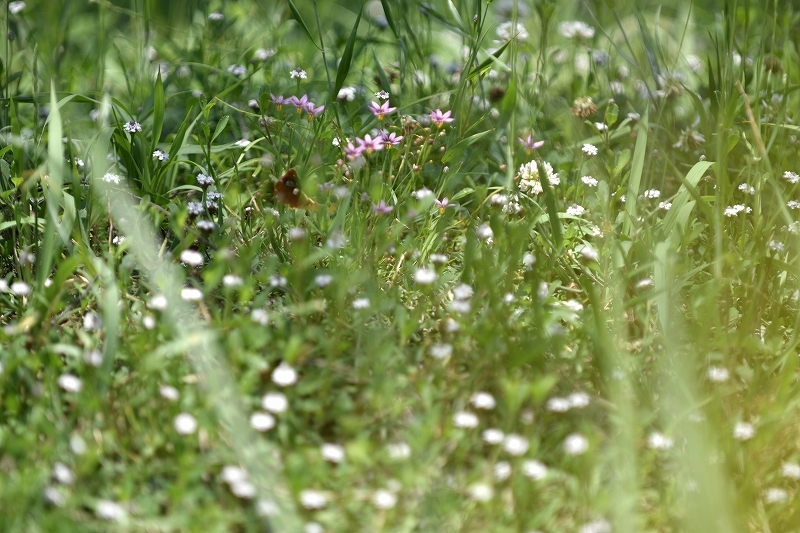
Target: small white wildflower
132, 127
169, 392
558, 405
535, 470
790, 470
718, 374
502, 470
332, 452
743, 431
463, 292
528, 260
578, 400
573, 305
63, 474
16, 7
192, 257
243, 489
589, 181
242, 143
231, 280
70, 383
515, 444
108, 510
384, 499
576, 210
482, 400
313, 527
296, 234
589, 149
440, 350
284, 375
93, 357
665, 206
651, 193
438, 259
313, 499
460, 306
54, 496
398, 450
776, 246
191, 294
237, 70
510, 30
484, 231
745, 188
575, 29
204, 180
185, 424
110, 177
659, 441
361, 303
274, 402
92, 321
382, 95
480, 492
775, 495
596, 526
298, 73
216, 16
260, 316
276, 280
77, 445
793, 204
465, 419
232, 474
576, 444
262, 421
422, 193
492, 436
161, 155
588, 252
791, 177
323, 280
425, 276
543, 291
264, 54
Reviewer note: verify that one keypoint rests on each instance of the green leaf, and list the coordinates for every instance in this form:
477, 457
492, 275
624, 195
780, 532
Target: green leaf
220, 127
635, 179
484, 66
299, 18
158, 111
552, 209
347, 57
177, 142
684, 193
389, 18
462, 145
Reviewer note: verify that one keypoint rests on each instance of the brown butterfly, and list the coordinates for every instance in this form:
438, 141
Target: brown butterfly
287, 191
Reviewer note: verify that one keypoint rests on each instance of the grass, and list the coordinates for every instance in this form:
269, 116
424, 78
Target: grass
458, 329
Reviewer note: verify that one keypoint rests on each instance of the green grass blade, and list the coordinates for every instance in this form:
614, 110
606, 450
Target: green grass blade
158, 111
303, 26
635, 178
347, 57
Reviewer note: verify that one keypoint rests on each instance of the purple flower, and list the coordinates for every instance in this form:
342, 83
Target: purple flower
299, 103
369, 145
280, 100
313, 111
440, 119
352, 152
530, 144
380, 110
442, 205
390, 139
382, 208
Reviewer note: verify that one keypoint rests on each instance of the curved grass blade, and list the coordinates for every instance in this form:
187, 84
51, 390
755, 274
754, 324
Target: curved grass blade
488, 62
635, 178
389, 18
299, 18
158, 111
347, 57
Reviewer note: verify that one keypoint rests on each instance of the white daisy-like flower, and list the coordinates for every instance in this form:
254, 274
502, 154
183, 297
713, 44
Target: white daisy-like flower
576, 444
192, 257
659, 441
284, 375
332, 452
515, 444
535, 470
440, 350
465, 419
589, 149
502, 471
575, 29
313, 499
77, 445
275, 402
425, 276
54, 496
93, 358
791, 204
743, 431
20, 288
384, 499
160, 155
665, 206
168, 392
480, 492
70, 383
484, 231
132, 127
243, 489
422, 193
264, 54
482, 400
298, 73
262, 421
510, 30
185, 424
108, 510
492, 436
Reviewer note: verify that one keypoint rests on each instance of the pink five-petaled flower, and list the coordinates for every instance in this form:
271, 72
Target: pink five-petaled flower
380, 110
530, 144
439, 118
312, 110
352, 152
299, 103
382, 208
390, 139
369, 145
442, 205
280, 100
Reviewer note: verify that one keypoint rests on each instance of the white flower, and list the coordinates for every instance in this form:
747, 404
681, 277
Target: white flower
204, 180
276, 280
480, 492
589, 149
398, 450
16, 7
601, 126
20, 288
484, 231
241, 143
274, 402
515, 444
775, 495
323, 280
243, 489
575, 29
460, 306
665, 206
502, 470
589, 181
54, 496
440, 351
575, 210
110, 177
169, 392
77, 445
361, 303
108, 510
743, 431
232, 474
384, 499
237, 70
439, 259
191, 294
463, 292
482, 400
161, 155
465, 419
752, 190
382, 95
216, 16
790, 470
776, 246
313, 499
534, 470
791, 204
791, 177
651, 193
192, 257
734, 210
93, 357
347, 93
573, 305
332, 452
70, 383
578, 400
530, 180
508, 30
425, 276
492, 436
185, 424
298, 73
659, 441
576, 444
63, 474
718, 374
132, 127
284, 375
262, 421
263, 54
558, 405
313, 527
422, 193
260, 316
231, 280
596, 526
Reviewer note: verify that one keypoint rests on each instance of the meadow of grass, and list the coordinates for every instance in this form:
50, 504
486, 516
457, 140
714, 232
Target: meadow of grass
513, 266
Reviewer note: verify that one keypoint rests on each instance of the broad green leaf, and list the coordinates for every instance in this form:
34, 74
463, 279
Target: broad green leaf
635, 178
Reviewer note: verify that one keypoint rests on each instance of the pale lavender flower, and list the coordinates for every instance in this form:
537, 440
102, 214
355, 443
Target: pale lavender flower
440, 119
380, 110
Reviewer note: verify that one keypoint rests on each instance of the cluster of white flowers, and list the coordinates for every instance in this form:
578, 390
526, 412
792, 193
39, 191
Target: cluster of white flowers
791, 177
733, 210
530, 179
575, 29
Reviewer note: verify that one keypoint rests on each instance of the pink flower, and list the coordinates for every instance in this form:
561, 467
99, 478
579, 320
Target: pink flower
382, 208
380, 110
390, 139
313, 111
280, 100
369, 145
530, 144
439, 118
352, 152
